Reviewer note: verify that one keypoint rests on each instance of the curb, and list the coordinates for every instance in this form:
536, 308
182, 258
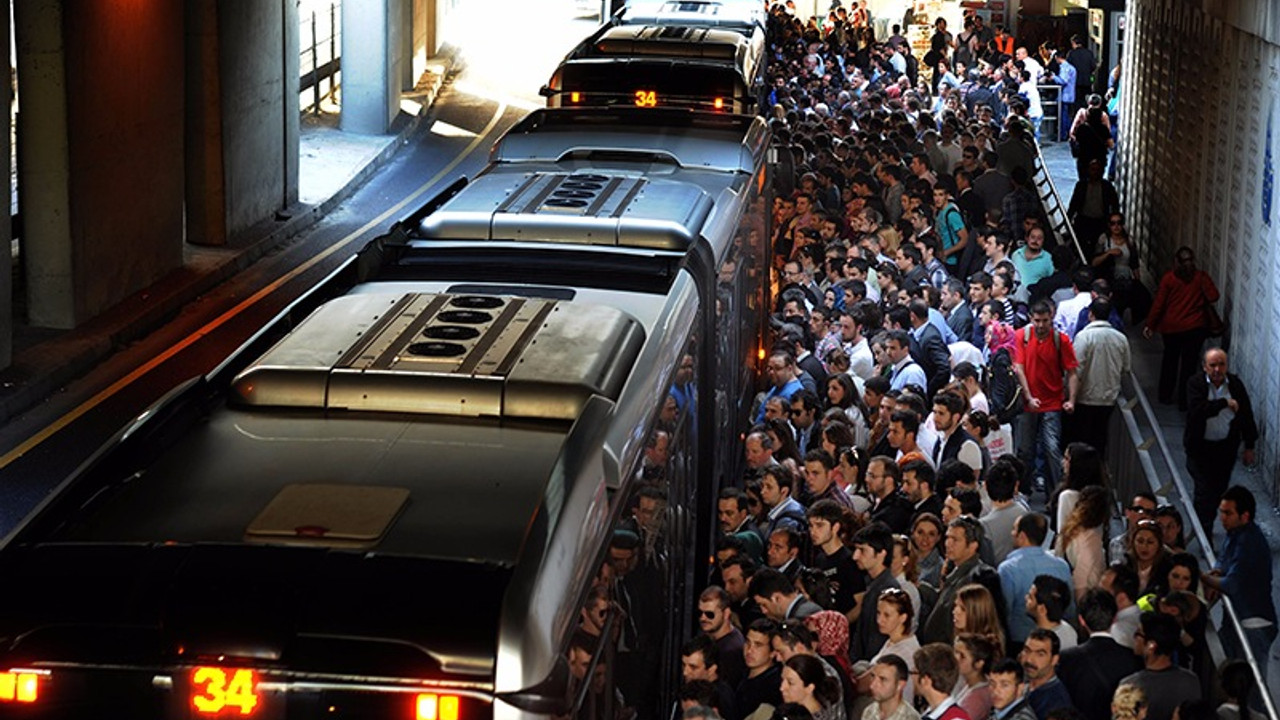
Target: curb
42, 369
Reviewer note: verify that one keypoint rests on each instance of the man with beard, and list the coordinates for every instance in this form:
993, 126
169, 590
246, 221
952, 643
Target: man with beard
713, 618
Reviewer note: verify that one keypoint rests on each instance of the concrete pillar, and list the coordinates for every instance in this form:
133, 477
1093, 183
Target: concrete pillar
205, 195
422, 10
242, 115
407, 77
101, 125
371, 58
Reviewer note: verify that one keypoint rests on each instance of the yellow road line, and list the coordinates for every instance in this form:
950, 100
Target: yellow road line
44, 434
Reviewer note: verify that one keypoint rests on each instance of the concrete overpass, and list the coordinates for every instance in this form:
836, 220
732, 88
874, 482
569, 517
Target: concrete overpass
145, 125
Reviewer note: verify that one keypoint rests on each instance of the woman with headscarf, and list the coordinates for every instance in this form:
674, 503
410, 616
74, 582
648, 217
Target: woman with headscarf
831, 630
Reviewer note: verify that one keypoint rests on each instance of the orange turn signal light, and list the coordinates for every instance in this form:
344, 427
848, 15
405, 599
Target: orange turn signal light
719, 103
20, 687
575, 97
437, 707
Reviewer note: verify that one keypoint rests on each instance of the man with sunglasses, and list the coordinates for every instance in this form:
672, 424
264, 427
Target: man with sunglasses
1142, 507
714, 610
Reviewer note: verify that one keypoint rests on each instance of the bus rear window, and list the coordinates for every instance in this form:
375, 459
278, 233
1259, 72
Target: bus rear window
644, 85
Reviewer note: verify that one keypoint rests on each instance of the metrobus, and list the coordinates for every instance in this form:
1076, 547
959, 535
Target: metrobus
396, 499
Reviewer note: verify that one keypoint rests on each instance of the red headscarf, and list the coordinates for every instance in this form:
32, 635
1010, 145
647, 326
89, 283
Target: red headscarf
832, 631
1003, 335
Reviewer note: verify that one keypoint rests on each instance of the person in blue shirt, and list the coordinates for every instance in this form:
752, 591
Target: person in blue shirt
786, 382
1063, 74
1019, 570
905, 370
1243, 572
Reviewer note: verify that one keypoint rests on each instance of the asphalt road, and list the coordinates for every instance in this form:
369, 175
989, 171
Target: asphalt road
496, 89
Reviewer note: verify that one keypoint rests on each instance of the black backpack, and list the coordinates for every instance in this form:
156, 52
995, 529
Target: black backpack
1003, 389
1004, 392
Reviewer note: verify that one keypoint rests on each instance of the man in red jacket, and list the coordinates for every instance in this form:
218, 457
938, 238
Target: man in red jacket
1180, 314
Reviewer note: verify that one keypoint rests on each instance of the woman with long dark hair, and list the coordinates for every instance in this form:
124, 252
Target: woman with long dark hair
1081, 542
1082, 467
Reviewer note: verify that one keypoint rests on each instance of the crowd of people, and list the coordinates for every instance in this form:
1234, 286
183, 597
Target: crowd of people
941, 370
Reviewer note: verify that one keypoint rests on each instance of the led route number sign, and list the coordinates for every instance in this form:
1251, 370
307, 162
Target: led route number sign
219, 689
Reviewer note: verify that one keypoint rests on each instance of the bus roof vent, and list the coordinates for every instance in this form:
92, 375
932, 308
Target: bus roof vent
574, 208
463, 355
669, 41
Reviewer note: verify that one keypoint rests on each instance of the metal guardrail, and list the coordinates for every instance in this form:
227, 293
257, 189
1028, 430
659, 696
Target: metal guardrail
320, 61
1134, 446
1053, 206
1132, 457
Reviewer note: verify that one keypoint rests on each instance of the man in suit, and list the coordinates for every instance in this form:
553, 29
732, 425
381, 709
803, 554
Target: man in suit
778, 598
928, 348
793, 336
956, 310
1219, 418
889, 506
1093, 669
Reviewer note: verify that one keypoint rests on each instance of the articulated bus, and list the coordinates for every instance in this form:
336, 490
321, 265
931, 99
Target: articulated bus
398, 498
663, 65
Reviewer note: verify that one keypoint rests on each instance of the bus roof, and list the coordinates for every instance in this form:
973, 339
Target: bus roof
739, 15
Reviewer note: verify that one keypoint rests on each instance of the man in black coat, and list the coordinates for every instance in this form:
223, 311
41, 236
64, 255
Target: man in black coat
1093, 669
889, 505
928, 348
1219, 418
1090, 218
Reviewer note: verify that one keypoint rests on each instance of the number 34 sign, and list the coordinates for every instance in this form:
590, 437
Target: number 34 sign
217, 690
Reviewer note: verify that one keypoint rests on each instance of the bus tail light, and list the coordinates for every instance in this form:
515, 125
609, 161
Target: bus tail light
23, 687
437, 707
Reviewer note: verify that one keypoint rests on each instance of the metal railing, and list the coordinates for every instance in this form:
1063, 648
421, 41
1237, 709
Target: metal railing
320, 61
1138, 457
1053, 206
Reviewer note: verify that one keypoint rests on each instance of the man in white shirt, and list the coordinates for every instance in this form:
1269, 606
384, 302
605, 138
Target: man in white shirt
1035, 111
1029, 63
1068, 314
889, 675
862, 363
1046, 603
1104, 357
898, 62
